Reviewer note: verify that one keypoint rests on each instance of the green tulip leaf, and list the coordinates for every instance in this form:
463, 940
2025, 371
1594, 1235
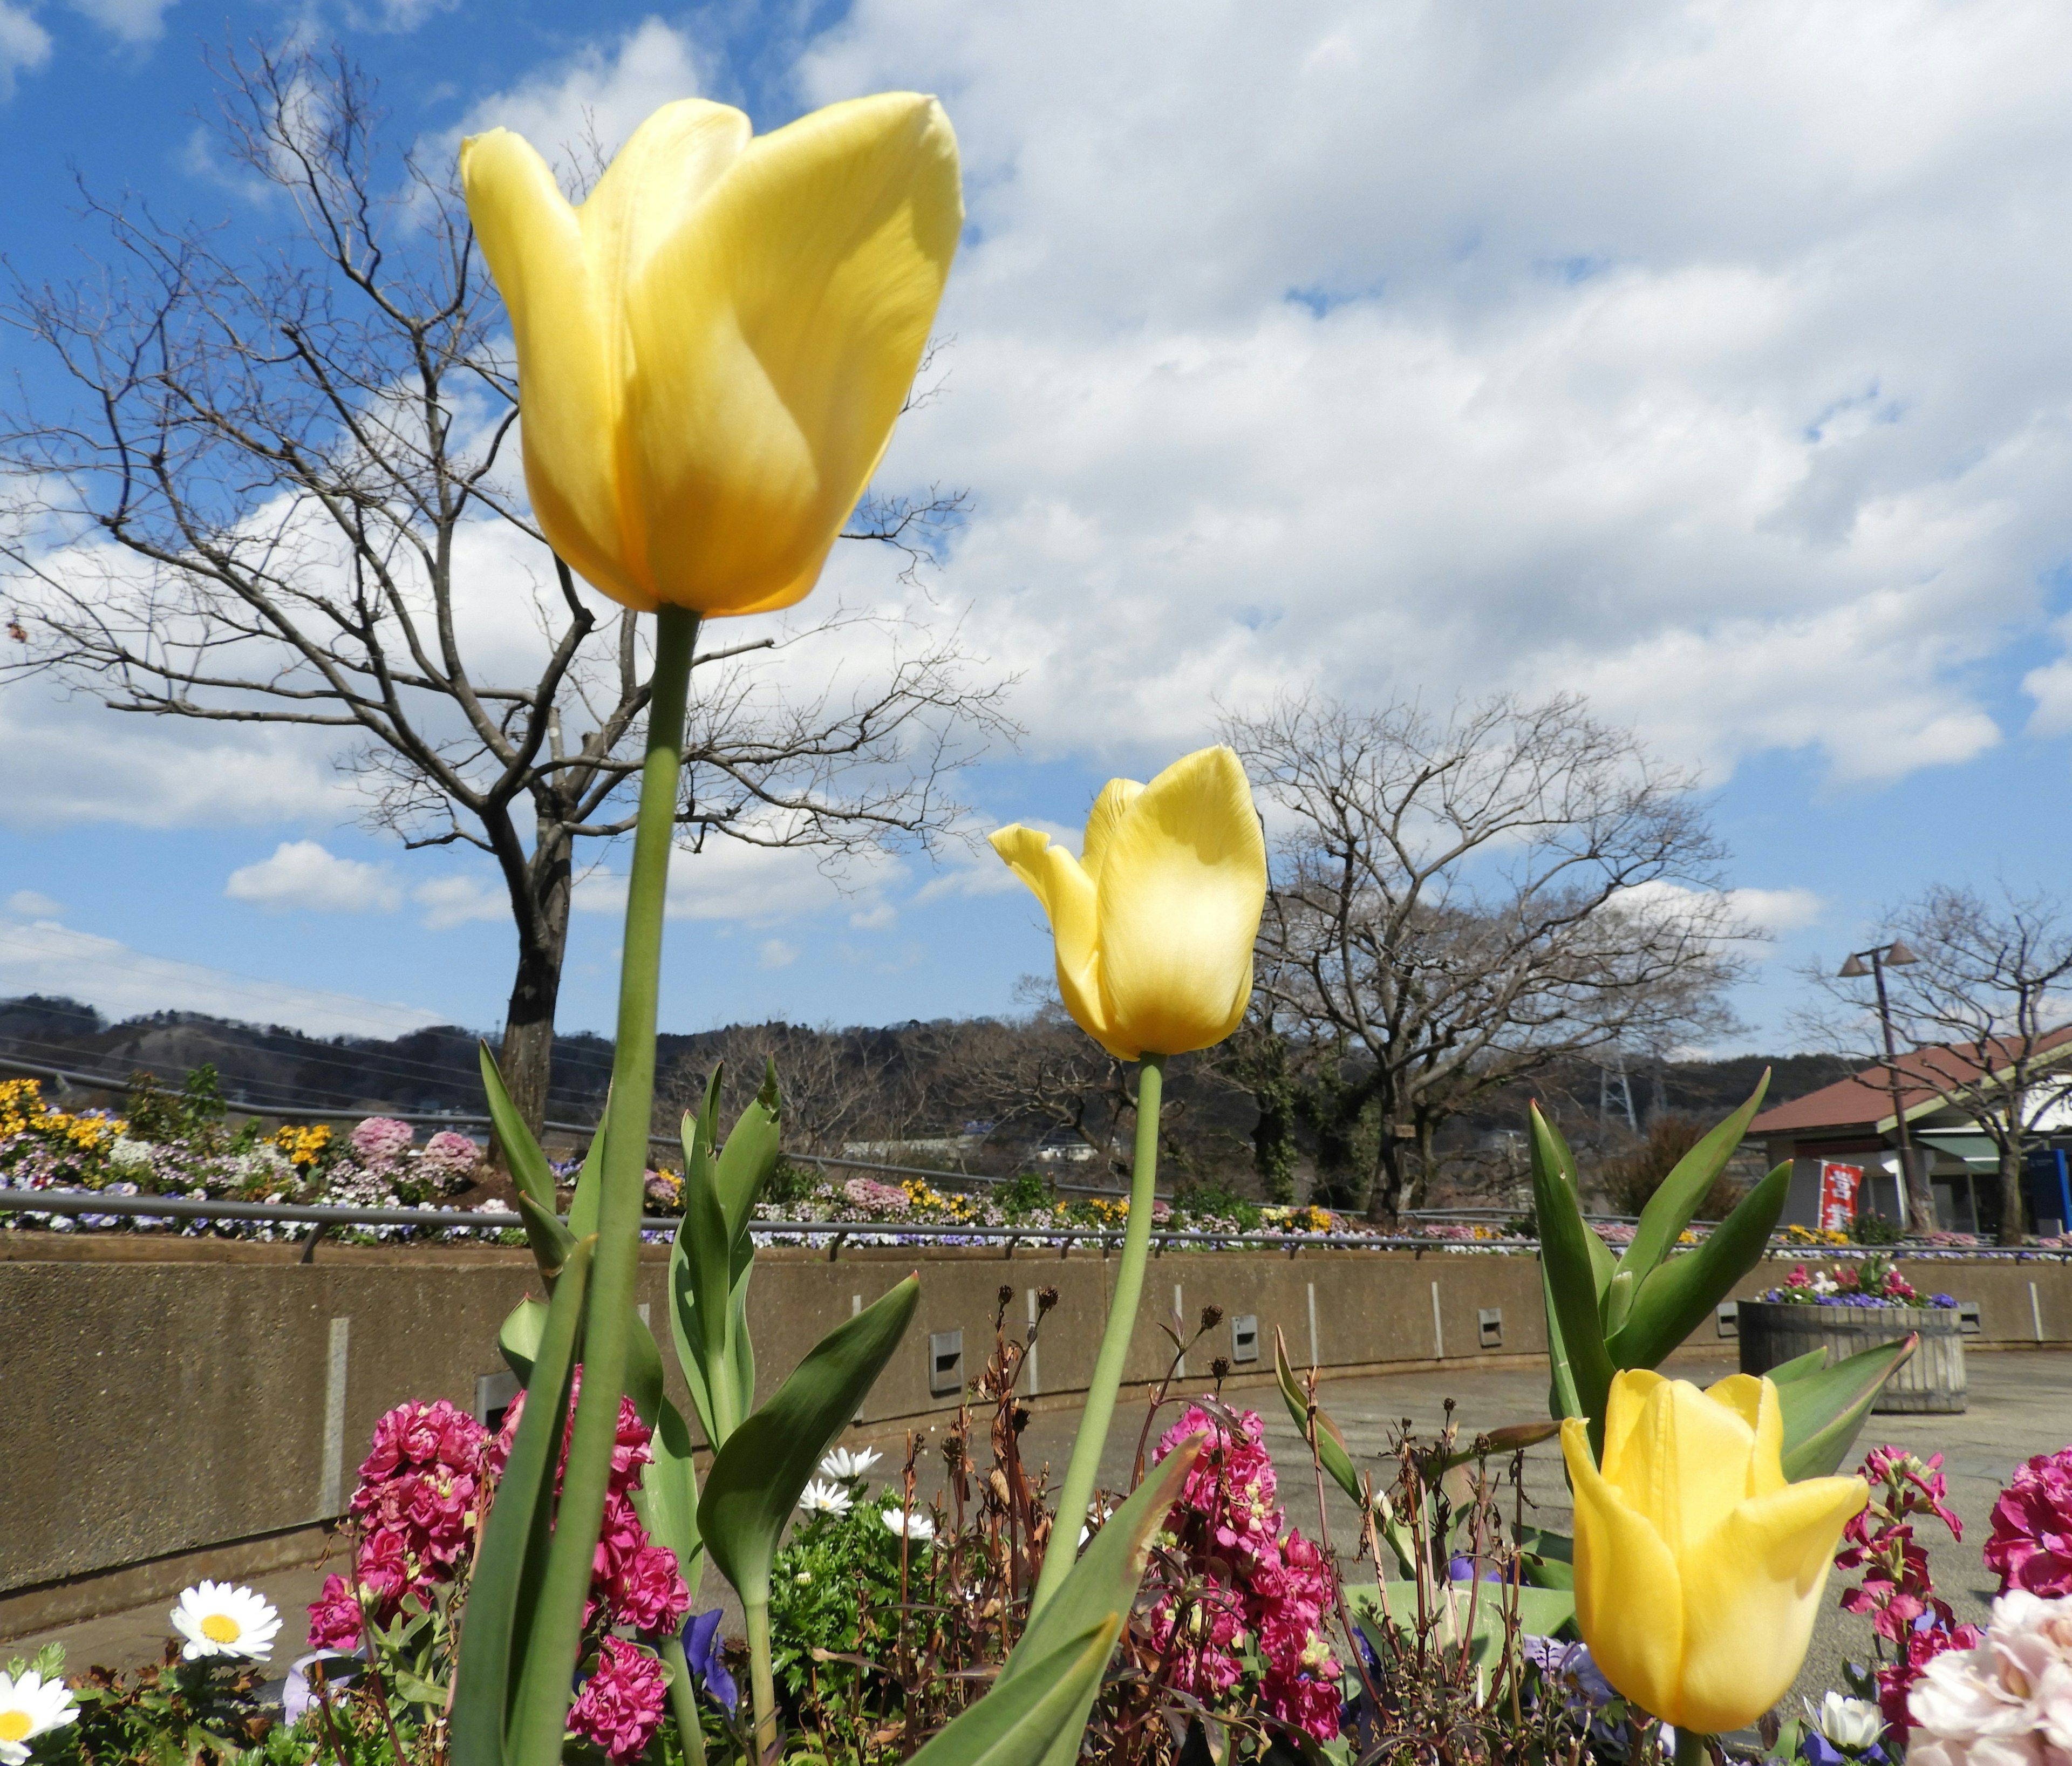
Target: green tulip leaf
1823, 1411
668, 1493
1102, 1584
1477, 1613
1556, 1147
1548, 1558
1669, 1209
529, 1169
512, 1559
1681, 1292
1797, 1367
745, 1162
760, 1469
1331, 1453
519, 1336
1029, 1719
1566, 1260
550, 1240
589, 1197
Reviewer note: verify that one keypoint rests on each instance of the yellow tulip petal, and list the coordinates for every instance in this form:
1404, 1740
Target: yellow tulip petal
776, 338
1183, 883
1624, 1404
1751, 1593
1754, 1399
1629, 1597
533, 243
1686, 1463
1109, 808
1054, 877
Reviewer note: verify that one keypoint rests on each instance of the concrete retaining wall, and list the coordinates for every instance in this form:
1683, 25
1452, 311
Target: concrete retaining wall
177, 1408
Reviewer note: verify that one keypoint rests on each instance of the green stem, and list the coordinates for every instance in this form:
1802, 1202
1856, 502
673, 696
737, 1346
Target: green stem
1692, 1749
1078, 1490
684, 1702
762, 1686
540, 1714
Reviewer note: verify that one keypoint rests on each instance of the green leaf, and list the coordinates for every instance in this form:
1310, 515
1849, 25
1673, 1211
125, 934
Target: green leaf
550, 1240
669, 1492
1823, 1411
1038, 1714
1101, 1586
759, 1470
418, 1692
1601, 1265
1548, 1558
1542, 1613
1331, 1453
513, 1554
749, 1155
520, 1337
589, 1181
1669, 1209
1681, 1292
1562, 1400
1571, 1279
1797, 1367
529, 1169
683, 1324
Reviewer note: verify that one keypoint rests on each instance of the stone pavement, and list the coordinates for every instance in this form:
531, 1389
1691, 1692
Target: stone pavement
2020, 1405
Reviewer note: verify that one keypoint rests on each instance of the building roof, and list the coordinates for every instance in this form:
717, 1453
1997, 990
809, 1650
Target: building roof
1927, 1076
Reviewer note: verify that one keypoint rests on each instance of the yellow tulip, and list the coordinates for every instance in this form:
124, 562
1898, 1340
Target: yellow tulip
714, 347
1698, 1568
1154, 924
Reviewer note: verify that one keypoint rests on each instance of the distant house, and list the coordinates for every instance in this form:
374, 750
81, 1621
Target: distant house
1852, 1123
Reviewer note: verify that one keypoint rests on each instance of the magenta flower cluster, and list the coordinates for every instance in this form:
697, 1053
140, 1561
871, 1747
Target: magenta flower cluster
1248, 1581
2031, 1546
1897, 1594
419, 1498
450, 1157
422, 1492
381, 1141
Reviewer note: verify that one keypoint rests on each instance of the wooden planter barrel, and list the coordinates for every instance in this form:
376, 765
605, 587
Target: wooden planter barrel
1774, 1332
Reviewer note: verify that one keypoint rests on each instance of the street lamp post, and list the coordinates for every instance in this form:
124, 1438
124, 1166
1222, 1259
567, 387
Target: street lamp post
1920, 1198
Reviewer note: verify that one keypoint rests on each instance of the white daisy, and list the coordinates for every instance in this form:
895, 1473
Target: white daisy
847, 1463
819, 1498
911, 1521
28, 1707
218, 1619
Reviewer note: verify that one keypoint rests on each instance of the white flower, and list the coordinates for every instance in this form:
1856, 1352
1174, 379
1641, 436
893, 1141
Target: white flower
844, 1463
911, 1521
28, 1707
2006, 1703
219, 1619
1850, 1724
819, 1498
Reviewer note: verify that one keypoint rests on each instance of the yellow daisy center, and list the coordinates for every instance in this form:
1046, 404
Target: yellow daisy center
14, 1725
220, 1628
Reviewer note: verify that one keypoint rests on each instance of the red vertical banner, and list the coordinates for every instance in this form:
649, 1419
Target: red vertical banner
1838, 1184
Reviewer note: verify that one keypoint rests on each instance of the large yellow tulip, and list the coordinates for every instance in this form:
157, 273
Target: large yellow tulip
714, 347
1698, 1568
1154, 924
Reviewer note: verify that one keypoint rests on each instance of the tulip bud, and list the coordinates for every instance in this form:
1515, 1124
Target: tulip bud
1699, 1569
1154, 924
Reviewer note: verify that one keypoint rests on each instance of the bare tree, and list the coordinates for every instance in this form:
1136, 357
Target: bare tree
1979, 1017
282, 494
839, 1086
1458, 901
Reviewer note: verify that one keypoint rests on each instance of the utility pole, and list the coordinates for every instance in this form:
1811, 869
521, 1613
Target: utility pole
1920, 1197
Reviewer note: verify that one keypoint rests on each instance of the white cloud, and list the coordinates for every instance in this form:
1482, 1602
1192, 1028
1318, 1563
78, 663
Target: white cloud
599, 98
1778, 911
302, 875
874, 919
32, 905
455, 901
757, 885
775, 953
133, 22
1760, 915
25, 45
1704, 358
122, 983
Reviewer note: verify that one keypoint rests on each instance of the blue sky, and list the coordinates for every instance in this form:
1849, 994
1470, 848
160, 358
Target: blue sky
1712, 364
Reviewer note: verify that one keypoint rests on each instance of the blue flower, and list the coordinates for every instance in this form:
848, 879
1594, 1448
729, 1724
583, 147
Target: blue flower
701, 1650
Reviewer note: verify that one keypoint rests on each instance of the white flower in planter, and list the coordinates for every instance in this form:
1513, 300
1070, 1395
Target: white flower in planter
845, 1463
1850, 1724
911, 1521
819, 1498
218, 1619
28, 1707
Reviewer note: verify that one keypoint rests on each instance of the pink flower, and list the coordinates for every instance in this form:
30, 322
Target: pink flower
335, 1617
2031, 1546
382, 1141
628, 1455
620, 1705
449, 1156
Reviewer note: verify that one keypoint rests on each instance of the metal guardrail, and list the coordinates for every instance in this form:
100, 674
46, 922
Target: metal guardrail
77, 1203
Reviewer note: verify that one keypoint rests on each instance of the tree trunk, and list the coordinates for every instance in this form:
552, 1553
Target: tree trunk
1919, 1192
527, 1058
1385, 1200
2010, 1196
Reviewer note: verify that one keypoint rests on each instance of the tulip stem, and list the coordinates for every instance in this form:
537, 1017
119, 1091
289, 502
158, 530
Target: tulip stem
761, 1683
540, 1712
1692, 1749
684, 1702
1078, 1490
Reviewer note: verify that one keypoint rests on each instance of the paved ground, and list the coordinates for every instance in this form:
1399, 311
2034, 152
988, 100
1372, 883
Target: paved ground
2021, 1404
